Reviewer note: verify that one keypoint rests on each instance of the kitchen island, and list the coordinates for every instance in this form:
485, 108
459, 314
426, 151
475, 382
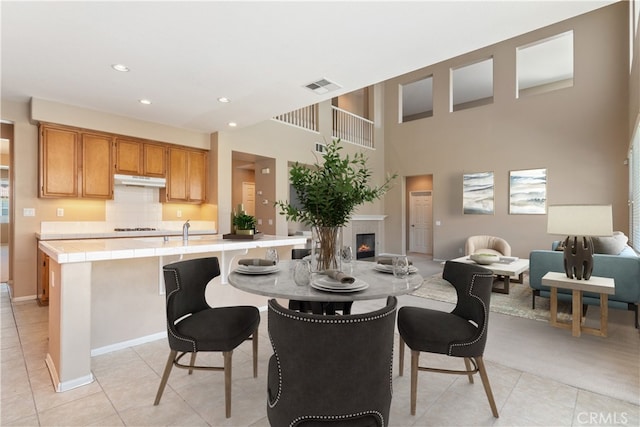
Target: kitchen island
108, 294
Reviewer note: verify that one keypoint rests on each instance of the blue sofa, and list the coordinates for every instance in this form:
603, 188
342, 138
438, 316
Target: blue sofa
623, 267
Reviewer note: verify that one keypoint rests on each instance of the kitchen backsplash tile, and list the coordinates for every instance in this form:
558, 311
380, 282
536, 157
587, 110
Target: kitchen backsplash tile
131, 207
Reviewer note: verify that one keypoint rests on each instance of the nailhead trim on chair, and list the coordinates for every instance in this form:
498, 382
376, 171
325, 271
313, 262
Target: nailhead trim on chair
338, 417
484, 308
336, 320
170, 327
339, 319
275, 352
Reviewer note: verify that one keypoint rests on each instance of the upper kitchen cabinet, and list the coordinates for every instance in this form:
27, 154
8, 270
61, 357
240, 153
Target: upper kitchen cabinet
75, 163
187, 176
97, 175
134, 157
153, 160
58, 154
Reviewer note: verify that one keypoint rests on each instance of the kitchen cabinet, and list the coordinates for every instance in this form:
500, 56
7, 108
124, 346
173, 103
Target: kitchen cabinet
128, 157
58, 153
97, 175
153, 160
135, 157
75, 163
187, 176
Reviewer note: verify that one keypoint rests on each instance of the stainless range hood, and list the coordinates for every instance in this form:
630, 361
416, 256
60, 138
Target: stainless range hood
139, 181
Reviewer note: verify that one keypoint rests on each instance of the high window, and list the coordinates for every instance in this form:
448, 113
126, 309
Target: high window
416, 100
472, 85
545, 65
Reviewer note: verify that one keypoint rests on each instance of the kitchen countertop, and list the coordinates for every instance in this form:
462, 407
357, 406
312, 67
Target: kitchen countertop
89, 250
120, 234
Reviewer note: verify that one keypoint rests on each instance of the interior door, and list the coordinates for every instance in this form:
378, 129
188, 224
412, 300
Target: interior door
420, 232
249, 197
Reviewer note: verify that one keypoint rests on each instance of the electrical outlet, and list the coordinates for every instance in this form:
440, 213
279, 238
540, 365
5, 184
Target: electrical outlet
438, 223
179, 213
270, 222
59, 212
259, 221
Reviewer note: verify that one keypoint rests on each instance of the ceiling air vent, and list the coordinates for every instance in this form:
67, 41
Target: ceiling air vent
322, 86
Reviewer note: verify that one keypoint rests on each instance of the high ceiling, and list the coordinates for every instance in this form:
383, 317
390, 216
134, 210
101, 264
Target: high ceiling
183, 56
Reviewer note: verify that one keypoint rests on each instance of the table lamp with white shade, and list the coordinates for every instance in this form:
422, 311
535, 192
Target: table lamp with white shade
579, 223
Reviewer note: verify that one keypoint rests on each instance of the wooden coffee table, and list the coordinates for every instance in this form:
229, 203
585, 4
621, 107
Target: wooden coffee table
515, 268
601, 285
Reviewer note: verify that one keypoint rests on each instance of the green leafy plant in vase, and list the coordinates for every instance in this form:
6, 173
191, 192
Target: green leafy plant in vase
328, 193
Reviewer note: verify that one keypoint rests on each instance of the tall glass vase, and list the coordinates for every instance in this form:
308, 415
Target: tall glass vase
326, 243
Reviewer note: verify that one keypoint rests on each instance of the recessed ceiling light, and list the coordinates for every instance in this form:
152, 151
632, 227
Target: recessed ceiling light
144, 101
233, 124
224, 100
120, 67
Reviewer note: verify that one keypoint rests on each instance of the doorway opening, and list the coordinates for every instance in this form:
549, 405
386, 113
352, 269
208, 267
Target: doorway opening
419, 215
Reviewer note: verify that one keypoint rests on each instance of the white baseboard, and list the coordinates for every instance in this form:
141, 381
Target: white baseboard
67, 385
129, 343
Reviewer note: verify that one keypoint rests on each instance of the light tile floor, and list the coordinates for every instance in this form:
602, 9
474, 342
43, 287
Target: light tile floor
127, 380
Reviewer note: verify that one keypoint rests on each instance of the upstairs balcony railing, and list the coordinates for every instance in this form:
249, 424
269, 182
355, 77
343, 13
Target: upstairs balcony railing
352, 128
347, 126
306, 118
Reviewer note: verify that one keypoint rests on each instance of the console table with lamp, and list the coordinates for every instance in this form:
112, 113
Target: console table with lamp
579, 223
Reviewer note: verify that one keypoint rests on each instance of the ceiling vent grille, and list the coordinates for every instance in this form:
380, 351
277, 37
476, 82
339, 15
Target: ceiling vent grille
322, 86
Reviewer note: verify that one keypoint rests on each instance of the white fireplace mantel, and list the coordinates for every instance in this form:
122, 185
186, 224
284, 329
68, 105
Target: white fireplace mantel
368, 217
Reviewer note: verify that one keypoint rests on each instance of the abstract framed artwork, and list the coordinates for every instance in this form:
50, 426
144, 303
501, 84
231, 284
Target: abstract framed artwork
477, 193
528, 191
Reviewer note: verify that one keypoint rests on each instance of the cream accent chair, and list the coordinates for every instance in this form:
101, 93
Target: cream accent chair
487, 245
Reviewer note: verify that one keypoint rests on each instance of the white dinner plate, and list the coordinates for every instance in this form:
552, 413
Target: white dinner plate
385, 268
257, 269
330, 285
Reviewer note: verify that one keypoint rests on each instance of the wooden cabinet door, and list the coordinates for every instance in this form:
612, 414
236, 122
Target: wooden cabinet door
97, 173
197, 176
177, 182
154, 163
187, 181
59, 153
128, 157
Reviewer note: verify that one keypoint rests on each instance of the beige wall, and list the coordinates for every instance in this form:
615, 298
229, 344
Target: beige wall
580, 135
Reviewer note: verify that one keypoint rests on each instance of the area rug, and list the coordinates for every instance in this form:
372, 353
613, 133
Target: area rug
516, 303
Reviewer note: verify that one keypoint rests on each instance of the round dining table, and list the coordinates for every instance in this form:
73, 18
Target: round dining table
280, 284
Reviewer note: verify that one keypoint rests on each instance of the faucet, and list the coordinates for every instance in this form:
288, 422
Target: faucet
185, 231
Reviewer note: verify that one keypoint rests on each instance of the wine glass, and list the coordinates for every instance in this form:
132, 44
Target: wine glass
302, 272
272, 255
347, 254
401, 266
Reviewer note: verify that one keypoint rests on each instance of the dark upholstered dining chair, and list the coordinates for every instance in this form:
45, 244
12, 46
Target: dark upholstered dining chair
461, 333
193, 326
330, 370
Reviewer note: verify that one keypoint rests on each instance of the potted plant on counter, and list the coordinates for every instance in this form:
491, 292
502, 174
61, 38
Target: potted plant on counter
244, 223
328, 194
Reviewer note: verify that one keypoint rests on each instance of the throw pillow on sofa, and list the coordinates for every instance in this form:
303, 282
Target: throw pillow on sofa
610, 245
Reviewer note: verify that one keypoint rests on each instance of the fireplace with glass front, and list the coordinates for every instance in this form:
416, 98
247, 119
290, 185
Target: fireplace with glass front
366, 246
